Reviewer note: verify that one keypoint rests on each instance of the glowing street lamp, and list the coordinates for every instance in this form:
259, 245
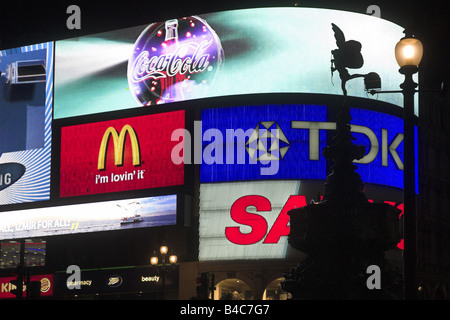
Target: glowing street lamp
154, 260
173, 258
163, 250
408, 52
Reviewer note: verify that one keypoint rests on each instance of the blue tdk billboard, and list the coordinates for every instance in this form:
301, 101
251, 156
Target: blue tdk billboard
281, 142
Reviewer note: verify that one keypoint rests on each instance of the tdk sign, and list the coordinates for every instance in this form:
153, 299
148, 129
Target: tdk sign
286, 141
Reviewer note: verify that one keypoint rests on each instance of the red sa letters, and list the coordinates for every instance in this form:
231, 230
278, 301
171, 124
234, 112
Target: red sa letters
257, 222
259, 225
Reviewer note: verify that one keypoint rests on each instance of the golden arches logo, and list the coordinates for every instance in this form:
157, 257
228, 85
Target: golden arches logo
119, 146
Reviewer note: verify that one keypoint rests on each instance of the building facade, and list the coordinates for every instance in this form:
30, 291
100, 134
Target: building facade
201, 133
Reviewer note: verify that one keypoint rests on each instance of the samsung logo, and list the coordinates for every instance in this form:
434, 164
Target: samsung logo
10, 173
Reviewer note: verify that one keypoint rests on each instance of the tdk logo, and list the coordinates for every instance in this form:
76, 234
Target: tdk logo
371, 154
286, 142
268, 143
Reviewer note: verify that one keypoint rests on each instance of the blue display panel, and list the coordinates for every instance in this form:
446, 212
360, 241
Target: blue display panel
270, 142
386, 168
245, 143
26, 101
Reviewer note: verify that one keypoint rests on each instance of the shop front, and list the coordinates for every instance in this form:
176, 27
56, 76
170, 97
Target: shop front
133, 283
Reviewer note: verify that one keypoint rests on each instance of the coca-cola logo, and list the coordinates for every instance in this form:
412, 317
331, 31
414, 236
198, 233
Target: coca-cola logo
174, 60
168, 65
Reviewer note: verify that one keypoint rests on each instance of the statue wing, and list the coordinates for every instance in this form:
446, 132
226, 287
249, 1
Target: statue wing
338, 35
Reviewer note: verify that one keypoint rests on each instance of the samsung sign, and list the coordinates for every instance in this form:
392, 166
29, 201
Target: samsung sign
26, 107
273, 142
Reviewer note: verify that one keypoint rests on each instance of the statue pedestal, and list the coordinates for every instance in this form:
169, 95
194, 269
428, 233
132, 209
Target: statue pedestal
341, 241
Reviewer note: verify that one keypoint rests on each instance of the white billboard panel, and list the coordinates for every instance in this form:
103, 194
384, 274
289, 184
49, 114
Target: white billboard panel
250, 51
217, 228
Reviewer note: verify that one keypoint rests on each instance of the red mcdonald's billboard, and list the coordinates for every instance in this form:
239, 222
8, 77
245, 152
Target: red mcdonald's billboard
120, 155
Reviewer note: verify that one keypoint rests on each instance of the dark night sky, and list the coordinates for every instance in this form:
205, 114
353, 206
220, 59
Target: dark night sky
47, 18
25, 22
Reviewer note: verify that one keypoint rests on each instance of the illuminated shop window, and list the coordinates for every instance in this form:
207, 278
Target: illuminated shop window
34, 253
232, 289
274, 292
10, 254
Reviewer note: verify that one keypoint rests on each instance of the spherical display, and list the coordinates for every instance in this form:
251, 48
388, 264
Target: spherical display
174, 60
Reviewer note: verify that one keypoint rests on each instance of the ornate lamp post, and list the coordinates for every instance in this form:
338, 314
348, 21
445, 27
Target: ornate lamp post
172, 261
408, 53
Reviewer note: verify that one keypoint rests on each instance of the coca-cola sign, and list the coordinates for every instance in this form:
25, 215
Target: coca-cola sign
169, 65
174, 60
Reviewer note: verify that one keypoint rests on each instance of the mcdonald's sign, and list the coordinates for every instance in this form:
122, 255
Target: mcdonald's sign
119, 145
120, 155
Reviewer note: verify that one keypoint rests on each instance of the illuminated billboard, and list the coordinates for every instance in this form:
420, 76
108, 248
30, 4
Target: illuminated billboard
89, 217
120, 155
243, 222
249, 220
46, 281
26, 83
271, 142
251, 51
